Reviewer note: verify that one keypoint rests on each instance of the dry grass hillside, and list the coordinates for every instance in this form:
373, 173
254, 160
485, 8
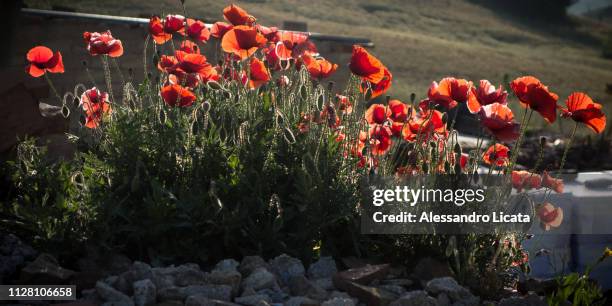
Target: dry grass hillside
424, 40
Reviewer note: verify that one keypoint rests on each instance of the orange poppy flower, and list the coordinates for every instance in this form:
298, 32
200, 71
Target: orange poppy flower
449, 92
189, 46
377, 114
41, 59
525, 180
550, 216
177, 95
270, 33
96, 106
496, 155
174, 24
319, 68
380, 139
365, 65
533, 94
258, 73
103, 43
156, 29
552, 183
236, 15
485, 94
242, 41
197, 30
581, 108
343, 104
377, 89
219, 29
498, 119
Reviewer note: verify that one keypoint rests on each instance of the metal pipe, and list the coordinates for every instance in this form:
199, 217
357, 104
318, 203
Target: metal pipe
144, 21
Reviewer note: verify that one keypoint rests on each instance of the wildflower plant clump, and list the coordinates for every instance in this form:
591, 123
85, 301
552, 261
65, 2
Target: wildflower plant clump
256, 152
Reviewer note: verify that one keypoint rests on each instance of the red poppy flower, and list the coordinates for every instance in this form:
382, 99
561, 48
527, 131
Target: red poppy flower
343, 104
496, 155
399, 110
365, 65
96, 106
156, 29
424, 125
197, 30
174, 24
319, 68
293, 45
377, 89
272, 58
377, 114
449, 92
177, 95
329, 116
258, 73
270, 33
485, 94
304, 123
533, 94
242, 41
581, 108
193, 63
236, 15
498, 119
42, 59
552, 183
380, 139
219, 29
189, 46
550, 216
526, 180
103, 43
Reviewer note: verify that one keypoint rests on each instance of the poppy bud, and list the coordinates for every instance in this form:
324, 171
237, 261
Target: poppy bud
368, 94
457, 168
330, 85
149, 75
425, 168
227, 95
387, 99
543, 141
457, 148
131, 72
412, 97
84, 63
206, 106
155, 59
444, 118
447, 167
303, 92
214, 85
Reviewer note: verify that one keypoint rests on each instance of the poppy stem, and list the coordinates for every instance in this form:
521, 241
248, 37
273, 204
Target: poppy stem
53, 87
517, 148
567, 148
107, 77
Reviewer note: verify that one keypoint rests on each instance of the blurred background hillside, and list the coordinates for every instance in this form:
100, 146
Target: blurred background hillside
425, 40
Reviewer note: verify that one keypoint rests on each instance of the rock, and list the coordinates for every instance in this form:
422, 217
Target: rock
277, 296
539, 286
339, 302
170, 303
450, 287
261, 278
301, 286
227, 265
250, 263
531, 299
285, 267
91, 295
228, 277
253, 300
404, 282
368, 295
200, 300
137, 272
110, 294
145, 292
415, 298
340, 294
325, 283
170, 294
12, 245
9, 265
354, 262
45, 270
395, 289
118, 263
429, 268
443, 300
215, 292
301, 301
325, 267
183, 275
364, 275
